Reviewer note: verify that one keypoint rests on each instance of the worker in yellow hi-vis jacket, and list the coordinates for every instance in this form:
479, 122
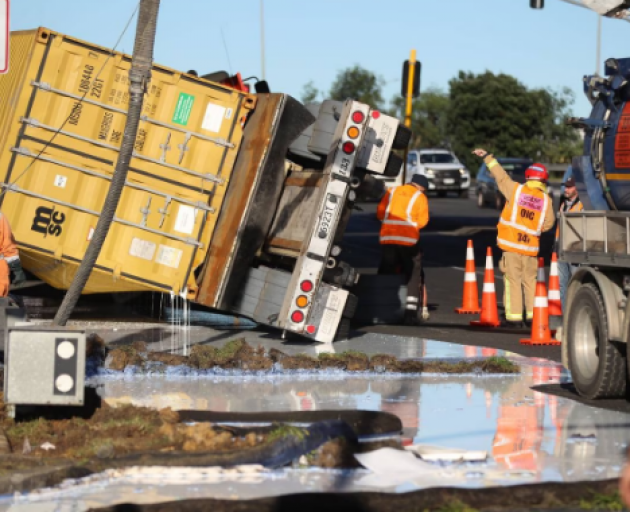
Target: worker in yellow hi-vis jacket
528, 212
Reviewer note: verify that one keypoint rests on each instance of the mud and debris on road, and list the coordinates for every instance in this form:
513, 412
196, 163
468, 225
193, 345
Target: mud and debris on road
238, 354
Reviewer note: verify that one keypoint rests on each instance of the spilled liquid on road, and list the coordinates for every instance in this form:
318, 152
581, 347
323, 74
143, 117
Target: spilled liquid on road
529, 436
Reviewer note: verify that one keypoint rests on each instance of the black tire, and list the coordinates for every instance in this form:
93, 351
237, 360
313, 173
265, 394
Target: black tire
441, 193
402, 137
393, 166
597, 366
343, 331
350, 308
481, 203
463, 194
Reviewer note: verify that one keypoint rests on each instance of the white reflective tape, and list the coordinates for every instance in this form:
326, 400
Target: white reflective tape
412, 300
410, 207
470, 254
553, 270
554, 295
412, 307
541, 302
400, 223
488, 287
541, 275
470, 277
526, 248
489, 262
520, 227
399, 239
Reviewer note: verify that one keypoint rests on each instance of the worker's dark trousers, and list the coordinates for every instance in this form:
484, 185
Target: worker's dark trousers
396, 259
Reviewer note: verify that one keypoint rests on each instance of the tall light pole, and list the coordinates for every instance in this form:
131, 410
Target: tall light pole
262, 39
599, 44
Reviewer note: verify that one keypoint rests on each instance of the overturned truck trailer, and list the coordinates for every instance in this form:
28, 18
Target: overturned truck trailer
216, 208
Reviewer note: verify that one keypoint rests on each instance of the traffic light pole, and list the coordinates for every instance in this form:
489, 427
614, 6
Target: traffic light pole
409, 102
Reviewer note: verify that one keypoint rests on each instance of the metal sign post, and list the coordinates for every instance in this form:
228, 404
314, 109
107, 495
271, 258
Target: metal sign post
4, 36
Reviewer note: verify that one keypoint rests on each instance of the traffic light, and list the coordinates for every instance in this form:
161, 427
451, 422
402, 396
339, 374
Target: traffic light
537, 4
417, 68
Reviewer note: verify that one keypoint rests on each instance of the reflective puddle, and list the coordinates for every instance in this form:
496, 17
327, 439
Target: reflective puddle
528, 436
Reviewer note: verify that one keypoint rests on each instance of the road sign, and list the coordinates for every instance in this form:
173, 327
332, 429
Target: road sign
4, 36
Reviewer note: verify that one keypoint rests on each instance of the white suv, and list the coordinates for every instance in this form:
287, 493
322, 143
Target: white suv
442, 168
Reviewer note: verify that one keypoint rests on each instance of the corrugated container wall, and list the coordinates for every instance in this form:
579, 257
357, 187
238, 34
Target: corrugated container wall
62, 116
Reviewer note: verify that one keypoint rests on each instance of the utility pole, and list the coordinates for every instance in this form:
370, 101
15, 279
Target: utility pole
262, 39
599, 45
410, 88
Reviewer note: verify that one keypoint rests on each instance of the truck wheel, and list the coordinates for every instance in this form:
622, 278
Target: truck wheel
402, 137
343, 331
464, 193
393, 166
597, 366
351, 306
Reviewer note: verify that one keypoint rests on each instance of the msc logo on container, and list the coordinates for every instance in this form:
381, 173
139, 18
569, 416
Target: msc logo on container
47, 221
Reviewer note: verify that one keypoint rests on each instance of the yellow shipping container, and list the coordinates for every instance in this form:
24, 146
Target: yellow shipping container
63, 109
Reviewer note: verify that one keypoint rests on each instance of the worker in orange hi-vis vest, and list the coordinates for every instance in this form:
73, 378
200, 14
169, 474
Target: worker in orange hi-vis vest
404, 211
527, 214
10, 267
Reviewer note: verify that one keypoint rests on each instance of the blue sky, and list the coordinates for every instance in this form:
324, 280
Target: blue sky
313, 40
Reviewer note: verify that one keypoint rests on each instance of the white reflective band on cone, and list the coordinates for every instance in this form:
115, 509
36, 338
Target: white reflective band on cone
541, 302
541, 275
488, 287
470, 254
489, 262
554, 294
470, 277
553, 271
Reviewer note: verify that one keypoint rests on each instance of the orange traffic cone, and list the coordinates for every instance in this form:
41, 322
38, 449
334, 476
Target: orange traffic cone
541, 335
470, 300
555, 303
489, 313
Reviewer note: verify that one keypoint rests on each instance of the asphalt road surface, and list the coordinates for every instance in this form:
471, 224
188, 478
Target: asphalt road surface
453, 221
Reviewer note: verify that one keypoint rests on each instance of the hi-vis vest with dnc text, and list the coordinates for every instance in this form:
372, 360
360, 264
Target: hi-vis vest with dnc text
522, 221
399, 227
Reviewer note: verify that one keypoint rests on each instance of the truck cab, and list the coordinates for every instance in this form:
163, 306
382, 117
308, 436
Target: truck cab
442, 168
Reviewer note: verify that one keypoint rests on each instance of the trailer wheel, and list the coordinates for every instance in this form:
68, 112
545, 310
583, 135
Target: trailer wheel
343, 331
393, 166
351, 306
598, 367
402, 137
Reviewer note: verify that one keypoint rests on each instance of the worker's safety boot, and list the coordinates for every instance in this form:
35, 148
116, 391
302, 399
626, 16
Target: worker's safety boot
412, 317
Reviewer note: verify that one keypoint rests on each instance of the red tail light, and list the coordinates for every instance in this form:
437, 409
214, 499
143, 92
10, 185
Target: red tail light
297, 317
306, 286
348, 148
376, 114
358, 117
311, 329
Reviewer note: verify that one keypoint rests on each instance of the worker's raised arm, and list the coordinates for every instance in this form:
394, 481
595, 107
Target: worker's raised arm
382, 206
505, 184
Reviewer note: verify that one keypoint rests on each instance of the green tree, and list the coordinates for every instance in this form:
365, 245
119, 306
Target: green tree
428, 118
310, 93
359, 84
500, 114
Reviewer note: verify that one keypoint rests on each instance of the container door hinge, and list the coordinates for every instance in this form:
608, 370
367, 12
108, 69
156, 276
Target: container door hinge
164, 210
145, 212
183, 148
165, 147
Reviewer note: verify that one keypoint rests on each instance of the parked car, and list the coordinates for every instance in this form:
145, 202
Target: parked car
487, 191
442, 168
